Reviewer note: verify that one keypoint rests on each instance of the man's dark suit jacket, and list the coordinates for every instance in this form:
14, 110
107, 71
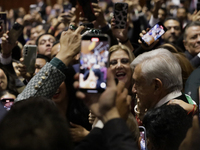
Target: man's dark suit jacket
194, 60
114, 136
192, 84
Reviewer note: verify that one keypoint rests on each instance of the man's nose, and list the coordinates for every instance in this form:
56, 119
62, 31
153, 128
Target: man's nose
172, 30
48, 43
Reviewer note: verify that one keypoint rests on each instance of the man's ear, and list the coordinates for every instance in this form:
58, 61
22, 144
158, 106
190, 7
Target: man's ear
158, 85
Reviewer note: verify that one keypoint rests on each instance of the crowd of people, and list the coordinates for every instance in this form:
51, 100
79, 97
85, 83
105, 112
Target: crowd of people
155, 86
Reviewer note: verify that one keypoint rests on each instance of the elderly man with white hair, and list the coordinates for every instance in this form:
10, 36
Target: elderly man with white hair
157, 80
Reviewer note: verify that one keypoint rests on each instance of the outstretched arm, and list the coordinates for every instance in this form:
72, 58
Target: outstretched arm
48, 79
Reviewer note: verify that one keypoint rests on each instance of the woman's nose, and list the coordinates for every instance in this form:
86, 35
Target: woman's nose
119, 64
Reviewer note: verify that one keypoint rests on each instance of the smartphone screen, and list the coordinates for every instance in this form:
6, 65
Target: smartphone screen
120, 15
143, 144
93, 63
7, 102
153, 34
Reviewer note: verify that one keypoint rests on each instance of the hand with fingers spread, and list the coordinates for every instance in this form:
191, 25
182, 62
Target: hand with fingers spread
78, 133
191, 141
102, 105
6, 46
195, 16
69, 45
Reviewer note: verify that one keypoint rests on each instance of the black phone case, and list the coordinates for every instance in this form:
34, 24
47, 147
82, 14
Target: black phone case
120, 15
15, 32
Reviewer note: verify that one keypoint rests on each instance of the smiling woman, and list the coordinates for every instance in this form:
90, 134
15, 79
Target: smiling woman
7, 81
119, 61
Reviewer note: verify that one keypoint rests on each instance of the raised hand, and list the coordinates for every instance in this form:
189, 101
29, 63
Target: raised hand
78, 133
6, 46
102, 105
69, 45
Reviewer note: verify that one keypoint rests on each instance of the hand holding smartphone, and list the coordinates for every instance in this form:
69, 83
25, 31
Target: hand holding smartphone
29, 55
93, 63
87, 9
153, 34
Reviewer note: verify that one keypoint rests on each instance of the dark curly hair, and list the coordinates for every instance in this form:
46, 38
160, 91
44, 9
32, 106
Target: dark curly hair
167, 126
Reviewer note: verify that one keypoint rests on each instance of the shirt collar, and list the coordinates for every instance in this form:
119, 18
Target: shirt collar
168, 97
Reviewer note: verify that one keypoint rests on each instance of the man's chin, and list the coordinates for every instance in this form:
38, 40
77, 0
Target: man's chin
172, 40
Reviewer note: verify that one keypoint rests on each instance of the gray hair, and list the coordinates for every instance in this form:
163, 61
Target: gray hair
162, 64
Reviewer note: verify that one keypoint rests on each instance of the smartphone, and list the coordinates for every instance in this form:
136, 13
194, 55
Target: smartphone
87, 9
198, 6
143, 142
15, 32
153, 34
93, 63
120, 15
7, 102
3, 21
29, 55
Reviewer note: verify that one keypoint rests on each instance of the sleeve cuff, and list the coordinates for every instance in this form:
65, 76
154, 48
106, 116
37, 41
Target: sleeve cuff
153, 21
5, 61
58, 64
